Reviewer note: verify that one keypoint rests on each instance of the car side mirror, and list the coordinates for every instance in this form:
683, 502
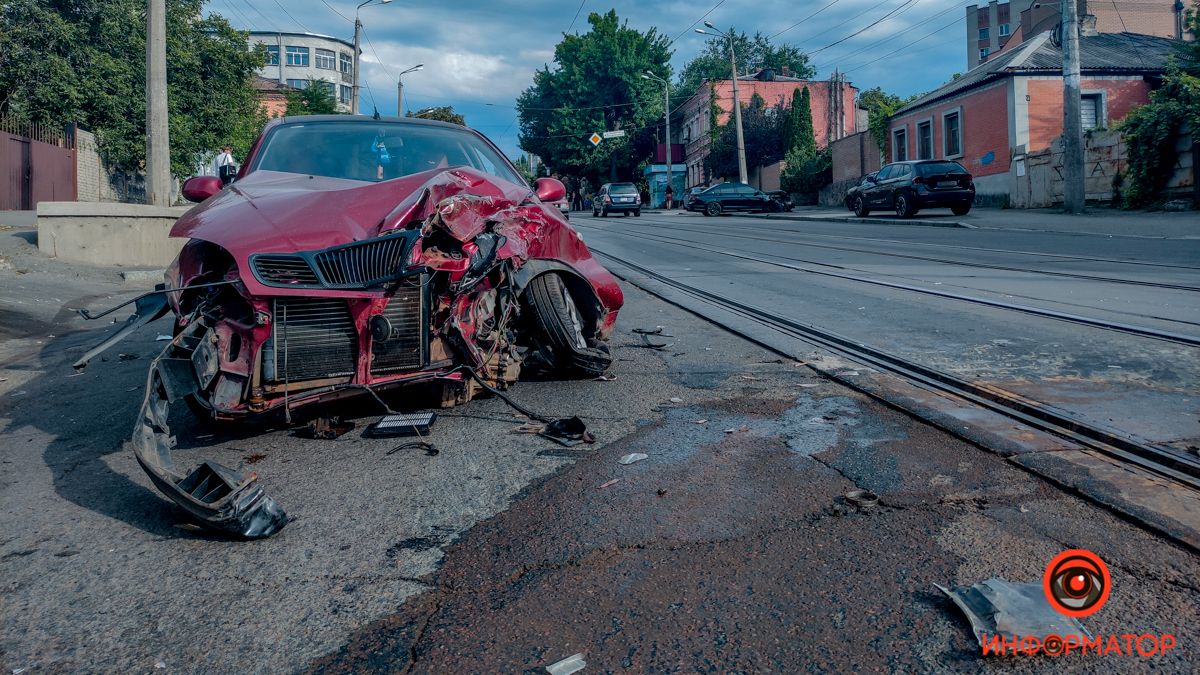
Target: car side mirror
199, 188
549, 189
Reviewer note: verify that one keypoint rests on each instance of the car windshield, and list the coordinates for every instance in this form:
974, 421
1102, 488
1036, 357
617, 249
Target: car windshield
375, 151
622, 189
931, 168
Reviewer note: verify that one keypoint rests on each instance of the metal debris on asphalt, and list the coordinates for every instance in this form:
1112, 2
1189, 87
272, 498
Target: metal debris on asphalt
700, 422
608, 484
675, 399
325, 428
999, 607
863, 499
633, 457
567, 431
163, 338
607, 378
127, 357
571, 664
402, 424
529, 428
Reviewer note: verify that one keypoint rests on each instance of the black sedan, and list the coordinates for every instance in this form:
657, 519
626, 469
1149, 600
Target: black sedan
908, 187
730, 197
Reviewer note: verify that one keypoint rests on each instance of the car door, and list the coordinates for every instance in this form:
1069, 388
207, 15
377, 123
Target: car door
898, 181
875, 193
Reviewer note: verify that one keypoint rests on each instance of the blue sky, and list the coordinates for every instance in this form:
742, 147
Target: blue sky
479, 55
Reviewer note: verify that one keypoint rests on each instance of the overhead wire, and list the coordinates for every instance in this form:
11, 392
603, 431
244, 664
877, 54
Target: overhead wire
890, 38
289, 15
576, 17
693, 24
804, 19
903, 47
268, 21
864, 29
334, 10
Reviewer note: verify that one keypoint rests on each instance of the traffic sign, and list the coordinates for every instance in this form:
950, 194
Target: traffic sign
614, 134
595, 139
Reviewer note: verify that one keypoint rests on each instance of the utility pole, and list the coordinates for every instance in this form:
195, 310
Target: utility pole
357, 51
158, 147
1073, 185
743, 176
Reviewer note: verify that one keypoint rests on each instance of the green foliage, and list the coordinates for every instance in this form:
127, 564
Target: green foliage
797, 128
1189, 50
880, 106
65, 61
596, 85
1150, 132
443, 113
752, 54
807, 171
314, 99
761, 134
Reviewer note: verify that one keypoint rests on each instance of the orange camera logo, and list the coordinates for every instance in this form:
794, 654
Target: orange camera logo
1077, 583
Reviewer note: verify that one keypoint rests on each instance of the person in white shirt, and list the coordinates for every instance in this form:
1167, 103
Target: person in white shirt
224, 165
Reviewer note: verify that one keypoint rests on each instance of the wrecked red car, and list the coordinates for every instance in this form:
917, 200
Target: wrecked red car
354, 255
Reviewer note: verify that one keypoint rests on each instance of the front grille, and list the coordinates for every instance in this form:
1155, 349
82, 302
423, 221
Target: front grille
284, 270
311, 338
405, 349
361, 264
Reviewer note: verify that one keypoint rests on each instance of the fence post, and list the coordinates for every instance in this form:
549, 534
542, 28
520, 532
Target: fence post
1195, 169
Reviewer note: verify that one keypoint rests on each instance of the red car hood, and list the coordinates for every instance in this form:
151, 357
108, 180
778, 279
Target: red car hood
273, 212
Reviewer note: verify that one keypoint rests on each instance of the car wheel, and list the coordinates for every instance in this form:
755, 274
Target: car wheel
637, 213
603, 213
772, 207
860, 208
961, 209
557, 318
713, 209
624, 214
904, 208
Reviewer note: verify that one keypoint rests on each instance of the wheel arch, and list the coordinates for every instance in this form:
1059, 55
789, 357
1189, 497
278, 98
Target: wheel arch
585, 297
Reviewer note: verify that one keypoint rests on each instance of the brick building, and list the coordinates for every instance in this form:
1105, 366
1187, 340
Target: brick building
1013, 104
993, 27
272, 96
833, 111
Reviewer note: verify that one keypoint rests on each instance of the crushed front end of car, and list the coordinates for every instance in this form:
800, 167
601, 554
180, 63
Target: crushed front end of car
462, 284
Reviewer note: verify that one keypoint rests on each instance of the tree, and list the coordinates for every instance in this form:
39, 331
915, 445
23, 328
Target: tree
753, 54
316, 98
761, 132
880, 106
67, 61
806, 172
596, 85
797, 128
443, 113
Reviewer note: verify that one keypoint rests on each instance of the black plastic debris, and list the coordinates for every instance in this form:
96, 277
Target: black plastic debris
325, 428
402, 424
568, 431
999, 607
429, 448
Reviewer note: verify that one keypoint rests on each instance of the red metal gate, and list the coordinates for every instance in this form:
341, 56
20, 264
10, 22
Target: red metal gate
37, 164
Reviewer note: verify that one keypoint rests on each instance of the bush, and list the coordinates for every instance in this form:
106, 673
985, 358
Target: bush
806, 171
1151, 130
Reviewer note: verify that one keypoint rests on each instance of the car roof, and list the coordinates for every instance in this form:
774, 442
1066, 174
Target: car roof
365, 120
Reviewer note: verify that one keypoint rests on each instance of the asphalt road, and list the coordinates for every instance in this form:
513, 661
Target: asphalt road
730, 548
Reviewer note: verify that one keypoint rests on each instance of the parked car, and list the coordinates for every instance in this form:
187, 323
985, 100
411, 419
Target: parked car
564, 207
725, 197
620, 198
783, 200
352, 256
908, 187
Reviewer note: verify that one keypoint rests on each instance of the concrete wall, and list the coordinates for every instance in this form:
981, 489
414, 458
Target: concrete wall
1036, 177
87, 167
132, 235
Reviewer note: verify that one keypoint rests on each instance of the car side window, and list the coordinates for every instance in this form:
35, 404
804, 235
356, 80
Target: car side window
885, 173
902, 171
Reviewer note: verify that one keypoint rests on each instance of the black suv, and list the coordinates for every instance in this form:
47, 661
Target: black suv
616, 198
908, 187
731, 197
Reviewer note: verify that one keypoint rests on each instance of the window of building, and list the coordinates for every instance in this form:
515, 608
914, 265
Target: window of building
925, 140
347, 62
272, 55
900, 145
326, 59
298, 84
1091, 109
952, 134
983, 53
297, 56
345, 93
1003, 29
984, 33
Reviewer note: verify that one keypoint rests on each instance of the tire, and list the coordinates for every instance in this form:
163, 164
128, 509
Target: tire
860, 208
557, 321
637, 213
961, 209
624, 214
603, 213
712, 209
904, 207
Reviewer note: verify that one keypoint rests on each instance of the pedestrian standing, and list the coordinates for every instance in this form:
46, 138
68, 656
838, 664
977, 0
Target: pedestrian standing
670, 196
224, 165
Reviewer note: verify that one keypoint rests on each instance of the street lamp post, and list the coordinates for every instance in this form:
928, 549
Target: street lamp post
666, 117
357, 50
737, 108
400, 88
